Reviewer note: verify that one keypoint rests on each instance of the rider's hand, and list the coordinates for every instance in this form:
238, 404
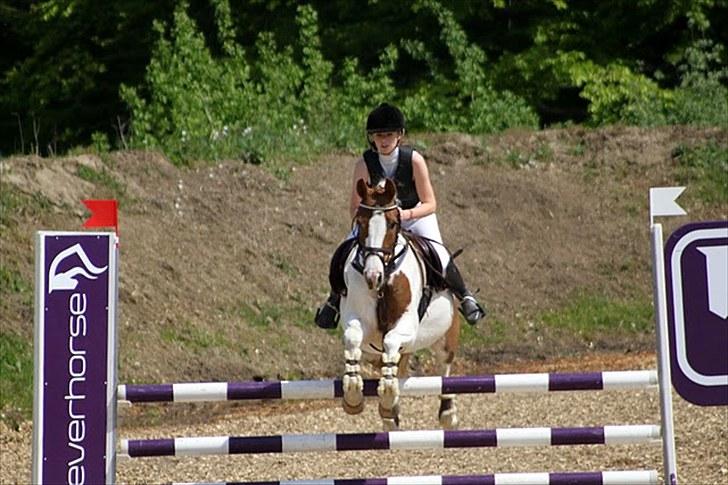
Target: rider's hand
405, 214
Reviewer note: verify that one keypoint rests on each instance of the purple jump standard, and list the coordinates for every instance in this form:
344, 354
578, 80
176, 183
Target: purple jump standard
412, 386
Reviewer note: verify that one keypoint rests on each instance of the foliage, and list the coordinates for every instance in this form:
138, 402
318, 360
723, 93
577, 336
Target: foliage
618, 95
470, 104
213, 79
195, 106
192, 102
701, 98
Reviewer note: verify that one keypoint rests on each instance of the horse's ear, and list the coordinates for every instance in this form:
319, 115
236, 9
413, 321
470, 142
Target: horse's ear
361, 188
390, 190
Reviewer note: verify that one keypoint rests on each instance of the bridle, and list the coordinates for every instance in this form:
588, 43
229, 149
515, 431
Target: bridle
386, 255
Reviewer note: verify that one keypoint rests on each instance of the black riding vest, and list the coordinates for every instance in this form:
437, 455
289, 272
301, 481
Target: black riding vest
403, 177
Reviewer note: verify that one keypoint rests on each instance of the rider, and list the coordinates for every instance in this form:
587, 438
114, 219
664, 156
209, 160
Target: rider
417, 204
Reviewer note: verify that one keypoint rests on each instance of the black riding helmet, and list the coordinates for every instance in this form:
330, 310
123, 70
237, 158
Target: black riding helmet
384, 118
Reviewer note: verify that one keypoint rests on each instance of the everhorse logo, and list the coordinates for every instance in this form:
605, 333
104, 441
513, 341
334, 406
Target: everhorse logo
67, 280
77, 328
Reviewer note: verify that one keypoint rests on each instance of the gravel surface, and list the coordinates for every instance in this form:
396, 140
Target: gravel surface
702, 440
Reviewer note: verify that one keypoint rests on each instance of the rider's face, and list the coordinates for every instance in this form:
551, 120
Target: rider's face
386, 141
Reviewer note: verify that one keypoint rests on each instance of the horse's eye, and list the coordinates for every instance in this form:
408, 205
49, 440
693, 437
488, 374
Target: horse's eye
392, 224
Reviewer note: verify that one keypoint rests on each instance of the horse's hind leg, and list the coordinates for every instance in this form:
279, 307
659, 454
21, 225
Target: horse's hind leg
448, 412
393, 367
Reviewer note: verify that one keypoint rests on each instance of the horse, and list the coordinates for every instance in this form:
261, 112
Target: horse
385, 278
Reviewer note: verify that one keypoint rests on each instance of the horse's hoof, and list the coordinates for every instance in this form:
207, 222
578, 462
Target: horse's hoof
388, 391
349, 409
448, 413
389, 413
390, 424
449, 419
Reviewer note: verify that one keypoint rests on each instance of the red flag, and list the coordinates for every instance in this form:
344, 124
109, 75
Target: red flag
103, 214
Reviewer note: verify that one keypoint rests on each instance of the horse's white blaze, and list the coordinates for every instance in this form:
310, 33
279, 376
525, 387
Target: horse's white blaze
373, 266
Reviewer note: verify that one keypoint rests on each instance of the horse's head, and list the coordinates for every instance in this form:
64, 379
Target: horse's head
378, 225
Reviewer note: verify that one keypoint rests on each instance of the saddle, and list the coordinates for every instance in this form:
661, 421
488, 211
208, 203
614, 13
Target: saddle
434, 275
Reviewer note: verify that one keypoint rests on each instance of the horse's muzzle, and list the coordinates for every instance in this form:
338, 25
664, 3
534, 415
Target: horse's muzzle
374, 279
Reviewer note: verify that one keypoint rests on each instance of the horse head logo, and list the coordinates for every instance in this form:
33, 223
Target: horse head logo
67, 280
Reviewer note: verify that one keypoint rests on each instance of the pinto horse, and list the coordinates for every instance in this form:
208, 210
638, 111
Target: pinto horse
385, 278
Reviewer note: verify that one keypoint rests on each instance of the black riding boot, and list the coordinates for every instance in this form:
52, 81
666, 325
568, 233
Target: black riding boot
327, 316
469, 306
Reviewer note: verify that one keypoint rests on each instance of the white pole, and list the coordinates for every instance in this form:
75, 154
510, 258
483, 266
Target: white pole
663, 356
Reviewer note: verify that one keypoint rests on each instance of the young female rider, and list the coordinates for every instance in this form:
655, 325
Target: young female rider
417, 204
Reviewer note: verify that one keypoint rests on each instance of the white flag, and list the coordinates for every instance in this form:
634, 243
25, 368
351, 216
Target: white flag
662, 201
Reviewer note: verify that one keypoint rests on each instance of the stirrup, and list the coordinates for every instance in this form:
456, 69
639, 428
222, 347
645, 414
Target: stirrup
327, 316
471, 309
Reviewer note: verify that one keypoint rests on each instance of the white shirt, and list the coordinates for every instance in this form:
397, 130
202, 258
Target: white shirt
389, 162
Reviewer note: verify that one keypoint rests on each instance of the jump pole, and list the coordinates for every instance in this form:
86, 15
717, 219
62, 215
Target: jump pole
630, 477
393, 440
410, 386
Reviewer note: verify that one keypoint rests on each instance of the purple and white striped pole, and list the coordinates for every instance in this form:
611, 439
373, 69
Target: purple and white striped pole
394, 440
632, 477
412, 386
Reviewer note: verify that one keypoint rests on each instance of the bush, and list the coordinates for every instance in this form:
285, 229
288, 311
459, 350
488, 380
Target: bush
284, 105
470, 104
701, 98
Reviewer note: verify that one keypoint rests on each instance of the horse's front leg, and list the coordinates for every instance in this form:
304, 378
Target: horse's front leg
394, 366
352, 382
